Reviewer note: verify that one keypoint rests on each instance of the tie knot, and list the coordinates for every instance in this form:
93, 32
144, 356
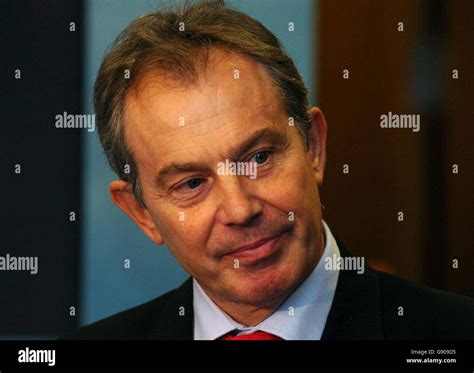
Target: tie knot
255, 336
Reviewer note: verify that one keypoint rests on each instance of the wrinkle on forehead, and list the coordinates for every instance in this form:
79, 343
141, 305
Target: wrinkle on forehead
216, 99
155, 91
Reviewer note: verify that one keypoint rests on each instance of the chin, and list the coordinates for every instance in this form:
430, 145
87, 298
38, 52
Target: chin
265, 287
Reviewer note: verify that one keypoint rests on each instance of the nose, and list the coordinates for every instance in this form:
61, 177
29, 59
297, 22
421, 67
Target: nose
236, 204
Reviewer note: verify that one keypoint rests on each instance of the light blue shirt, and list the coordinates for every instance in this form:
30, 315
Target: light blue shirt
302, 316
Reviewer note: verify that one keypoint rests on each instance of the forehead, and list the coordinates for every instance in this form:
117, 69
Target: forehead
234, 93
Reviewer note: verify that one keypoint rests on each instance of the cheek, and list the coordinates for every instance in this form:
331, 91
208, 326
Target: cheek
289, 190
183, 232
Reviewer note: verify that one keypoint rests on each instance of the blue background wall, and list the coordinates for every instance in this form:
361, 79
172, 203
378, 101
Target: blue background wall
108, 236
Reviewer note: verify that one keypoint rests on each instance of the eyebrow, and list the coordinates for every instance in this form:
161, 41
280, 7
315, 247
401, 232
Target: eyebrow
268, 134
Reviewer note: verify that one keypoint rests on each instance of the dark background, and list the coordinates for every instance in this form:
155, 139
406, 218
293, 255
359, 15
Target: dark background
394, 170
36, 203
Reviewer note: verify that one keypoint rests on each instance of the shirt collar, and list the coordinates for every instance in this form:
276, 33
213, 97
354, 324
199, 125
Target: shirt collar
308, 305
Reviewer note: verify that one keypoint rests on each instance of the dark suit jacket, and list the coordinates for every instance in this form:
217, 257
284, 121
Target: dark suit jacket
365, 306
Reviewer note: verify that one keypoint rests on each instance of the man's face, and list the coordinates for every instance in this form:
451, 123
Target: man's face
213, 223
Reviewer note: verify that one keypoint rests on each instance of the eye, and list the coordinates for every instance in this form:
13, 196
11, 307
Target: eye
261, 157
191, 184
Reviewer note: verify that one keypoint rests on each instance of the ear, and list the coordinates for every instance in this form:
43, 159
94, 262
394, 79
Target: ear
122, 195
317, 143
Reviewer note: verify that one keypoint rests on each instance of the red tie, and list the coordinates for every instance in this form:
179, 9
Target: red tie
256, 336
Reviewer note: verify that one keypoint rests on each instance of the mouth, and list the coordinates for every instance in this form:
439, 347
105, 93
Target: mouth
257, 251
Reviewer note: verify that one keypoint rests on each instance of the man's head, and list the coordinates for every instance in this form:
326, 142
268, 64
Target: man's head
179, 93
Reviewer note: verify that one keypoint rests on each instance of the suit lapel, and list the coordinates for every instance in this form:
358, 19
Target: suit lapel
176, 318
356, 308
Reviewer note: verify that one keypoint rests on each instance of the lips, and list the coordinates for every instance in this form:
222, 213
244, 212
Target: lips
254, 245
256, 251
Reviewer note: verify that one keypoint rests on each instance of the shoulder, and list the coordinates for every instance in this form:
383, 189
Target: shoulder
135, 323
418, 311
